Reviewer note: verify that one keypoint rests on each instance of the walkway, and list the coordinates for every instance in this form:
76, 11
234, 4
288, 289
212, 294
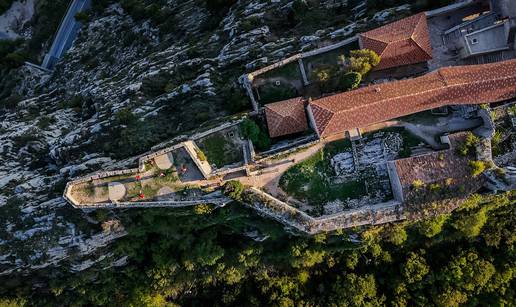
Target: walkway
268, 178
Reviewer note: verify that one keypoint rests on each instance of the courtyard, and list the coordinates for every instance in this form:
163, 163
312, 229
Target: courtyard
222, 148
346, 175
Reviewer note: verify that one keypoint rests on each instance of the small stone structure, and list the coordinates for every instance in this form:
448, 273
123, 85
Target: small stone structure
165, 161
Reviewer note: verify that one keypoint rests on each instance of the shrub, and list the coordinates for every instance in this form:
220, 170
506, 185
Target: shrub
434, 187
125, 117
202, 209
350, 80
469, 144
200, 155
322, 74
234, 189
253, 132
362, 61
476, 167
82, 17
251, 23
235, 99
14, 60
418, 184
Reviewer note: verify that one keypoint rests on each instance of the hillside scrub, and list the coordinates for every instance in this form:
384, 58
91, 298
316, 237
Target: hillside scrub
209, 260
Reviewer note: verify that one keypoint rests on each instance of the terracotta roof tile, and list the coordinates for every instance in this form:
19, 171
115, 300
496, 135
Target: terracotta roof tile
474, 84
402, 42
437, 167
286, 117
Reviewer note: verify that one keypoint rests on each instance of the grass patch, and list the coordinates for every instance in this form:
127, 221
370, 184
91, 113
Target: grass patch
220, 150
310, 179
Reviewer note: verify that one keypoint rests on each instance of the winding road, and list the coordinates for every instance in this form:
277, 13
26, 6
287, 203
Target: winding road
66, 33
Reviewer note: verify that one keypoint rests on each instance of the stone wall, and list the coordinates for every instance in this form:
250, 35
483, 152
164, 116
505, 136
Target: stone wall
397, 189
288, 148
247, 79
219, 202
374, 214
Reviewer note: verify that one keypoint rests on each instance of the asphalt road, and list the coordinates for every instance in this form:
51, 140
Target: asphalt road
66, 33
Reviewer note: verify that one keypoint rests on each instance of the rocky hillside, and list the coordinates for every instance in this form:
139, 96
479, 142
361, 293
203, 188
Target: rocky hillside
137, 75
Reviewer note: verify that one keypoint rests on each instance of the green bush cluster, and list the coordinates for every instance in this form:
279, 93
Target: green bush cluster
257, 135
234, 189
469, 144
476, 167
5, 5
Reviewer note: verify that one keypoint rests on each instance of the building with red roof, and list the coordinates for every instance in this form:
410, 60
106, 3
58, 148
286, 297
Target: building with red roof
447, 171
404, 42
473, 84
286, 117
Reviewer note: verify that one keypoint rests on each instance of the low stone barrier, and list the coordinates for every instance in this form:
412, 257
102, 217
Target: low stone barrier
296, 145
219, 202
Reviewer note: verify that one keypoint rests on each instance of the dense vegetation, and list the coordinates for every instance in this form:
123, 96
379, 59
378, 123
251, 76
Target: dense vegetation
203, 258
5, 5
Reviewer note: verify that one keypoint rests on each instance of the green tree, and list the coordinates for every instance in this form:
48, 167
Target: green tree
253, 132
355, 290
470, 223
431, 227
476, 167
362, 61
396, 234
349, 81
234, 189
372, 57
415, 268
468, 272
450, 298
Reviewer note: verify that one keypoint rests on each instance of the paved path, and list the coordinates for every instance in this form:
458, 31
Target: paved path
270, 176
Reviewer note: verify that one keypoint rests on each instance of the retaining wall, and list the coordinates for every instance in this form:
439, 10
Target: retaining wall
368, 215
294, 146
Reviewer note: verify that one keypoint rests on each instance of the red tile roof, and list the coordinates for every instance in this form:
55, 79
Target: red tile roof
445, 168
286, 117
474, 84
403, 42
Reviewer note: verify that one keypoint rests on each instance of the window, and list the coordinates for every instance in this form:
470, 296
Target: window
474, 41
